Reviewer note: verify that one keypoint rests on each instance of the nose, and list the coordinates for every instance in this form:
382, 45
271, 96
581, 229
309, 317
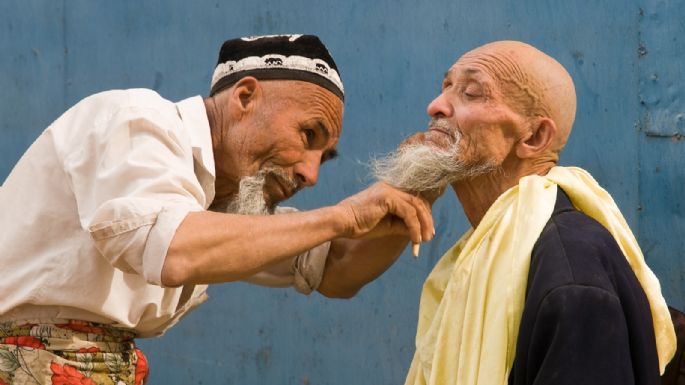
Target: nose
307, 171
439, 107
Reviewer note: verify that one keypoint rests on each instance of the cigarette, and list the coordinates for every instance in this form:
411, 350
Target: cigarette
415, 250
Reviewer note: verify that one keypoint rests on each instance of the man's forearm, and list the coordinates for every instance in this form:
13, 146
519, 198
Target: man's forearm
213, 247
352, 263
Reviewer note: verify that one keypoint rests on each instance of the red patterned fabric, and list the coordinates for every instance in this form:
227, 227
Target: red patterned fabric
69, 353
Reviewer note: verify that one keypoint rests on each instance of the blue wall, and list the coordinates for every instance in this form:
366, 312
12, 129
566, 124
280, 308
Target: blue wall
626, 57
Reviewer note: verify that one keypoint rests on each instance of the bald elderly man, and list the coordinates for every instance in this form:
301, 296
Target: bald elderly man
549, 286
123, 211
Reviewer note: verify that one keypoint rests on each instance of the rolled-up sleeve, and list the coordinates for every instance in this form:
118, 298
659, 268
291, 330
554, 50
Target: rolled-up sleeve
308, 268
136, 242
134, 183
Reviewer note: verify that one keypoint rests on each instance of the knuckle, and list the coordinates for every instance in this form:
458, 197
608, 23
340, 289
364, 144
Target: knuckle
416, 201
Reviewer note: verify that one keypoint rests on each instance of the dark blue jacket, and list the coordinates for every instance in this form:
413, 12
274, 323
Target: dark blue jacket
586, 319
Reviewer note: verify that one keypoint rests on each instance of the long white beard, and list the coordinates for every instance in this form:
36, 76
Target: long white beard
250, 197
421, 167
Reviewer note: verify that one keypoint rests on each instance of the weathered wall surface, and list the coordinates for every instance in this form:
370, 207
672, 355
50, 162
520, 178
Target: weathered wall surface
626, 58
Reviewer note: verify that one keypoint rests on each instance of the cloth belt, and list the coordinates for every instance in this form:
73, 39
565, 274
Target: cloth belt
55, 352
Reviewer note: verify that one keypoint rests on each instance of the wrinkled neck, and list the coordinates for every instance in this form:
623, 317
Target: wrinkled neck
478, 194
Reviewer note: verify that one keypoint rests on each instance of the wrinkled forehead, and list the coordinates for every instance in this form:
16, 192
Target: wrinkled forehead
315, 104
330, 109
489, 63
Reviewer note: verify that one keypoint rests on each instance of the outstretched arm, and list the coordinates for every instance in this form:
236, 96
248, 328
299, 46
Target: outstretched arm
212, 247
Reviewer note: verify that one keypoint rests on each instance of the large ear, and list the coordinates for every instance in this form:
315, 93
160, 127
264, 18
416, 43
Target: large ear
245, 94
538, 140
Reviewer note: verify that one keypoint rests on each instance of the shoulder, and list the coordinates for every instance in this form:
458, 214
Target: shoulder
113, 120
124, 97
100, 108
580, 288
578, 234
576, 254
574, 249
572, 265
113, 101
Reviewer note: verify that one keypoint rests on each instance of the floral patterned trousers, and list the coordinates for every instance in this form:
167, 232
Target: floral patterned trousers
75, 352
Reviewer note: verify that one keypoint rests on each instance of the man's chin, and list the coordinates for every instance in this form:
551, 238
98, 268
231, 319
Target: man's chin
271, 202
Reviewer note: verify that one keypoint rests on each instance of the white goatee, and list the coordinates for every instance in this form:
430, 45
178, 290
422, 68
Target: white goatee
250, 197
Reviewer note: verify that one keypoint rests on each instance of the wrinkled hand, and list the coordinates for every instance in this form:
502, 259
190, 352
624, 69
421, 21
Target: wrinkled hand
382, 210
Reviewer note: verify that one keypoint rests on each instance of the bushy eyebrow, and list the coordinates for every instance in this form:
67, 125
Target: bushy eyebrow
469, 71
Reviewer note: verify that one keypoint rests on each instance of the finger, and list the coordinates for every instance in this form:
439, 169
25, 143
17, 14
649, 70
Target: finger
415, 249
425, 216
408, 214
421, 207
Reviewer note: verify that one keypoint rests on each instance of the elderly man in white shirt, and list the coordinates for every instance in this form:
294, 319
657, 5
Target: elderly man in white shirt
126, 207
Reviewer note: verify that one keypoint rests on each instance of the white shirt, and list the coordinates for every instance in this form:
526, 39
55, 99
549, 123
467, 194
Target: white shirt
89, 211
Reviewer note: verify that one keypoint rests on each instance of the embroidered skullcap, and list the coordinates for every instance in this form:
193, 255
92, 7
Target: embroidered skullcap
271, 57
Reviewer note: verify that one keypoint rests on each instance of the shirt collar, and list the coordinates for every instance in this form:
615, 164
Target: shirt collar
194, 116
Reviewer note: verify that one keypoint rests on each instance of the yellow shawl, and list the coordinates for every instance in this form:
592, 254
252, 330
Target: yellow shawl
472, 302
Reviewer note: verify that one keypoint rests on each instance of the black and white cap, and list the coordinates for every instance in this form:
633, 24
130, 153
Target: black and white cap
271, 57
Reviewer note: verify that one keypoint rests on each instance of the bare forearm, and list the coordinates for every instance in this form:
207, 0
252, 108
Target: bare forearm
212, 247
352, 263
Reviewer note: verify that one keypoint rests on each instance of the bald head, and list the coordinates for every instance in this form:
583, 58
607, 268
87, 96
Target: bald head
533, 83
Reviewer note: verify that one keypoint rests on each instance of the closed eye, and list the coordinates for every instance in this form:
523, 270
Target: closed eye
472, 92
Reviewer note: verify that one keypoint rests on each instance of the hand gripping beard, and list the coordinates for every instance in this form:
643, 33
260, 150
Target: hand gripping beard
423, 167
